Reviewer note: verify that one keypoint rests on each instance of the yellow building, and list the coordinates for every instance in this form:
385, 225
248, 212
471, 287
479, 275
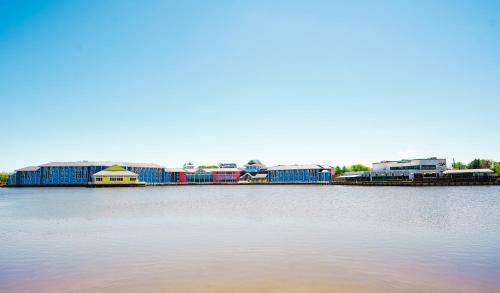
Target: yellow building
115, 175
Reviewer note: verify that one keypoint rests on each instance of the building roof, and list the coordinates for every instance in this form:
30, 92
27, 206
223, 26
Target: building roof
101, 163
115, 173
408, 160
222, 170
260, 176
174, 170
350, 176
299, 167
30, 168
464, 171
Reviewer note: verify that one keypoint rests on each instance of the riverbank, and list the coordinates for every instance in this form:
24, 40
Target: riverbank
416, 183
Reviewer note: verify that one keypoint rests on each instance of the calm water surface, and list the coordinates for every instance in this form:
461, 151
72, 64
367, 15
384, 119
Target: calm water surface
250, 239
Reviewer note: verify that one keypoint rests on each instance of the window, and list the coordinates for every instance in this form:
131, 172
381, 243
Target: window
132, 179
98, 179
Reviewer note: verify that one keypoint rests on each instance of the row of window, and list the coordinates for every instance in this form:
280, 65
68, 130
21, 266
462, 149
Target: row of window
415, 167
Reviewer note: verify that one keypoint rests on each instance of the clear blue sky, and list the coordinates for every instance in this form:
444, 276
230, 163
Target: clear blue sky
228, 81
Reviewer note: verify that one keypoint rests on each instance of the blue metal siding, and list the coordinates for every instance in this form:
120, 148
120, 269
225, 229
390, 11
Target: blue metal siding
298, 176
76, 175
171, 177
12, 179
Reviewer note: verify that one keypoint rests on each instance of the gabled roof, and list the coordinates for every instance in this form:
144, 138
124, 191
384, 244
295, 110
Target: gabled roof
115, 168
115, 173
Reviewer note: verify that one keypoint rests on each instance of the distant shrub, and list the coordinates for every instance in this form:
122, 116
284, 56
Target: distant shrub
4, 177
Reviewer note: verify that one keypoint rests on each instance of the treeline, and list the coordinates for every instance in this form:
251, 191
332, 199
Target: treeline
358, 167
478, 164
4, 177
207, 167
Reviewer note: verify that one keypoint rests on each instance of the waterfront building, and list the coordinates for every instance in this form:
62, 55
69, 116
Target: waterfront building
428, 164
408, 169
255, 166
225, 175
399, 170
353, 176
228, 165
174, 176
468, 173
257, 178
189, 166
80, 173
115, 175
199, 176
26, 176
300, 174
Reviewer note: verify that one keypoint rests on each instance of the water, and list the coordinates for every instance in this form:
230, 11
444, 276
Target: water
250, 239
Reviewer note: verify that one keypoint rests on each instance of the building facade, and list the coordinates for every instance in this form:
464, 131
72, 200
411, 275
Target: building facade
407, 169
255, 166
300, 174
225, 175
115, 175
80, 173
427, 164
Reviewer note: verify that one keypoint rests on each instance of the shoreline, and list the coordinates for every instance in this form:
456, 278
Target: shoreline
334, 183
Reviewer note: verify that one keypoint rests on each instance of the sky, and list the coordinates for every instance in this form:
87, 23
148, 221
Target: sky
327, 82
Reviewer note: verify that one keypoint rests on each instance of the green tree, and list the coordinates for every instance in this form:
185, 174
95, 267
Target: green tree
497, 168
338, 171
359, 167
474, 164
486, 164
459, 166
4, 177
345, 169
480, 164
208, 167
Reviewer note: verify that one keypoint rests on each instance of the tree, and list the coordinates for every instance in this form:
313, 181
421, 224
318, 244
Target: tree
338, 170
344, 169
474, 164
4, 177
458, 166
208, 167
480, 164
486, 164
359, 167
497, 168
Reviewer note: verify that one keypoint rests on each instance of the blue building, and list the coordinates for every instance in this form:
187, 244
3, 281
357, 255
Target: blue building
174, 176
26, 176
255, 166
300, 174
80, 173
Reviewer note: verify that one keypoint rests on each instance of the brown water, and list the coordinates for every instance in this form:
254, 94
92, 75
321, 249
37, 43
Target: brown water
250, 239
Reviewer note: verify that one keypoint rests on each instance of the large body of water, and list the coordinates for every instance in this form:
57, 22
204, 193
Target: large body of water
250, 239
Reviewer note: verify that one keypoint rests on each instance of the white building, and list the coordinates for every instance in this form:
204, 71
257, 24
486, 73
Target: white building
414, 164
408, 169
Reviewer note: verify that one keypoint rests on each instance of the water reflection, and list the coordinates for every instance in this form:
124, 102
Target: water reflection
250, 238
